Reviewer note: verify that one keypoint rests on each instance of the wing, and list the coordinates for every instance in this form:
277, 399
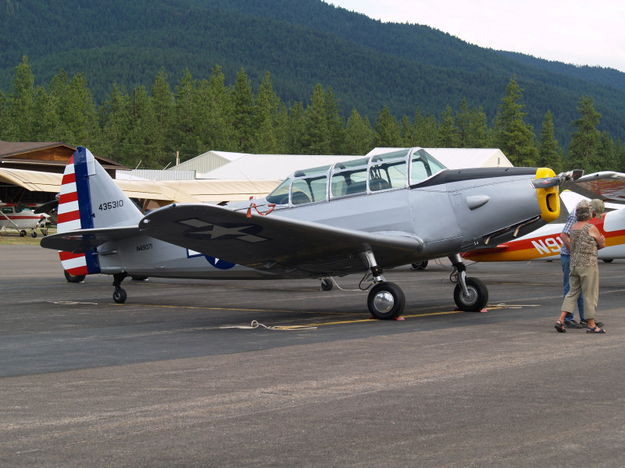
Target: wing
275, 243
83, 240
606, 185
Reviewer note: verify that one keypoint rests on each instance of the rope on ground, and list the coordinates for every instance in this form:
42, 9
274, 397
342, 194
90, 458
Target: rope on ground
71, 303
256, 324
338, 286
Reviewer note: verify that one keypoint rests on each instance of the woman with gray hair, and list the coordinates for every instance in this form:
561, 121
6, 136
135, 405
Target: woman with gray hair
585, 240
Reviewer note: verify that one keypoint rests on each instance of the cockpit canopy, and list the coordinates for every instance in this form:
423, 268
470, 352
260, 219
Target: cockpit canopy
380, 172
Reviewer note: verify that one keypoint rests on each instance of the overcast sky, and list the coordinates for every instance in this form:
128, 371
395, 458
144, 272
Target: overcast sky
581, 32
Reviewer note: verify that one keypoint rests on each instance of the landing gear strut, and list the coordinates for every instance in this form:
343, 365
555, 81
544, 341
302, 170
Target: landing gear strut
386, 300
470, 294
119, 295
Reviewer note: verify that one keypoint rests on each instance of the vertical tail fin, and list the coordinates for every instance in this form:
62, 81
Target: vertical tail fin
90, 199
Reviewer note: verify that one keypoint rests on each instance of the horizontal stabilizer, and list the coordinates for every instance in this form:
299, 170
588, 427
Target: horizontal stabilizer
83, 240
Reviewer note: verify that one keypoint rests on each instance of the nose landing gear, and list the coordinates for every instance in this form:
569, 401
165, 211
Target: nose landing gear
470, 294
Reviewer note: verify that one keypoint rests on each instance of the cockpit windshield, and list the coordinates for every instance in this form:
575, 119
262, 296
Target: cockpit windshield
307, 186
423, 166
380, 172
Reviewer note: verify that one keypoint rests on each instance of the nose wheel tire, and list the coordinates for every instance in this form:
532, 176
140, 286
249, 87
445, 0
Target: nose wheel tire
327, 284
386, 301
477, 298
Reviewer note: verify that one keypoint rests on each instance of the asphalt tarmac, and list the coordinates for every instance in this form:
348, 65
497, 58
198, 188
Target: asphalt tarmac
174, 378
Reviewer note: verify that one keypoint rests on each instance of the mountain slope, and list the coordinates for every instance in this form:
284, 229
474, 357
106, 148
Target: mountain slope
369, 64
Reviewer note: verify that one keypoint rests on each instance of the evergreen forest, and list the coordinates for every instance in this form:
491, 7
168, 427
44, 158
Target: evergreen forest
147, 126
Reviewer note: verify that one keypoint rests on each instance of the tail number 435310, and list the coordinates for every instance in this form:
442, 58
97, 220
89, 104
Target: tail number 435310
111, 205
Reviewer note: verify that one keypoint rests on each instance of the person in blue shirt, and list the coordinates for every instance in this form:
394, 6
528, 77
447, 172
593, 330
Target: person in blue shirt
597, 208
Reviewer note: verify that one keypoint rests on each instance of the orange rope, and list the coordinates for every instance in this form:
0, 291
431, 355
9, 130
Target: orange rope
272, 206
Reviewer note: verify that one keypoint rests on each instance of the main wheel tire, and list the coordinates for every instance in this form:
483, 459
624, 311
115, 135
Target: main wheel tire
386, 301
33, 234
477, 298
327, 284
73, 278
608, 260
22, 233
120, 295
420, 266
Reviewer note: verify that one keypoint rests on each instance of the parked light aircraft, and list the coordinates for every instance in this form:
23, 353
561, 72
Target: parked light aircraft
22, 219
362, 216
545, 242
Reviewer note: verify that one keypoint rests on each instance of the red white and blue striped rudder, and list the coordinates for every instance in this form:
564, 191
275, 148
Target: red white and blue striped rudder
69, 215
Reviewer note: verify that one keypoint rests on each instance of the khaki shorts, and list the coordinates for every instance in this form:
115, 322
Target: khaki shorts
583, 280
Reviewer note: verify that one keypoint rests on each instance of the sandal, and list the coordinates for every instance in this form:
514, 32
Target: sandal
597, 323
595, 330
560, 327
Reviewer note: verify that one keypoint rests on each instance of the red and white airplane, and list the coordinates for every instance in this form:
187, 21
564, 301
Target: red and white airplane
545, 242
22, 218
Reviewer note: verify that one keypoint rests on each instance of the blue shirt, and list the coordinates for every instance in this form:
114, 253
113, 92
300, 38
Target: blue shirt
572, 219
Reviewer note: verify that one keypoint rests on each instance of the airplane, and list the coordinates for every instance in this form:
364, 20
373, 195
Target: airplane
359, 216
545, 242
23, 218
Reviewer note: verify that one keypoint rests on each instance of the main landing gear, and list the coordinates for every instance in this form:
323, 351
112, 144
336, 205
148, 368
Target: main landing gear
470, 294
386, 300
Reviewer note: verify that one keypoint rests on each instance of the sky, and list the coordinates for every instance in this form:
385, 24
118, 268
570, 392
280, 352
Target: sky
579, 32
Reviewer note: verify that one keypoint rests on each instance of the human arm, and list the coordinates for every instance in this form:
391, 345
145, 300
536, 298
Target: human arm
566, 239
599, 238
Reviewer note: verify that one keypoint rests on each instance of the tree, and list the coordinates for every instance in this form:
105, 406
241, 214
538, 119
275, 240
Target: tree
47, 127
336, 125
316, 137
164, 105
4, 117
620, 156
472, 127
448, 133
550, 153
425, 133
265, 118
185, 139
296, 126
116, 126
243, 113
22, 103
57, 96
609, 151
221, 107
359, 136
143, 135
79, 113
388, 131
512, 135
585, 147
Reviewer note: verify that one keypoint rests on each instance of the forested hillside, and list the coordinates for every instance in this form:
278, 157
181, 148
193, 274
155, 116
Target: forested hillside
131, 57
367, 63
